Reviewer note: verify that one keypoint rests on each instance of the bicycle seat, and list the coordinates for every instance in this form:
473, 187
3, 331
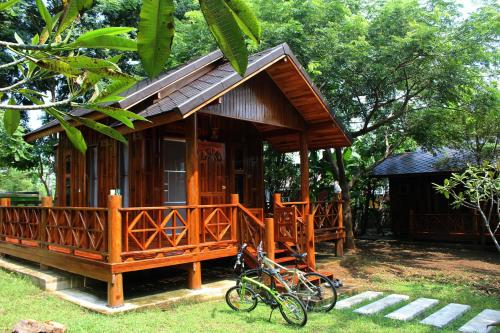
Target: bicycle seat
299, 256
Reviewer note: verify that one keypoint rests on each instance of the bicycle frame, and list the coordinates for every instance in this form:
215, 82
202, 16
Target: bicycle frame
274, 294
295, 272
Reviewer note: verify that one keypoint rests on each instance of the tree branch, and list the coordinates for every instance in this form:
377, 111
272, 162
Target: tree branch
17, 84
13, 63
37, 107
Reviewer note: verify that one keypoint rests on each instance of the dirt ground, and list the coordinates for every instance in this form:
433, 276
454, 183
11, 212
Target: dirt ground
437, 262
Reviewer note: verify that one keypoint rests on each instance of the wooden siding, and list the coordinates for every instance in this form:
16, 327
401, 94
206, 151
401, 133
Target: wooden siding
416, 193
258, 100
145, 170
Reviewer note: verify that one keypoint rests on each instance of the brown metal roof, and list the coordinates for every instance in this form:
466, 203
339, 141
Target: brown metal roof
189, 88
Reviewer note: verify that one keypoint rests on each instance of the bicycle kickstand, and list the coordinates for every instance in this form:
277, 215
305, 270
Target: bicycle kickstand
271, 314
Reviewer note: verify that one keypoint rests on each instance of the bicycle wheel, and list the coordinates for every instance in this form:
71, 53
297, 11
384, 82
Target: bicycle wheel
263, 277
293, 310
317, 292
241, 301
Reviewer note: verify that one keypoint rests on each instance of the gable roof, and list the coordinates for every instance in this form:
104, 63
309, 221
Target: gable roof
420, 162
179, 92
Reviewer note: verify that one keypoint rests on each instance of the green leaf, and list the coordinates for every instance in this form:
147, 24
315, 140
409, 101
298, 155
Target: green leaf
58, 66
104, 42
84, 62
70, 12
7, 4
111, 31
156, 32
121, 115
18, 38
44, 12
245, 18
226, 32
74, 134
101, 128
117, 86
11, 121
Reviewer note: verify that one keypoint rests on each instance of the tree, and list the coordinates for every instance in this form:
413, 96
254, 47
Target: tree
477, 188
401, 58
94, 83
470, 125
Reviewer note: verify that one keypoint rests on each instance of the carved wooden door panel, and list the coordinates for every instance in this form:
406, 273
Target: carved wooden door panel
212, 162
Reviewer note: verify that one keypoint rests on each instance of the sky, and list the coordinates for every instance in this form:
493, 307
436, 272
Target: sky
468, 7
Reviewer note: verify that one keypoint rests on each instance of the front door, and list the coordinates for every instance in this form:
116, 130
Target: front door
212, 159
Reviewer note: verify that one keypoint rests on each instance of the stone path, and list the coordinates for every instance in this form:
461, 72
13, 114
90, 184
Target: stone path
480, 322
381, 304
446, 315
410, 311
355, 300
440, 318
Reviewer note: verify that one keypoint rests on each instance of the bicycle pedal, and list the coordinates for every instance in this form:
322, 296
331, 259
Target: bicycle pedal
337, 283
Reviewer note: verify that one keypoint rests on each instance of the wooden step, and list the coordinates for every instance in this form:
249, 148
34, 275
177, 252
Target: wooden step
284, 259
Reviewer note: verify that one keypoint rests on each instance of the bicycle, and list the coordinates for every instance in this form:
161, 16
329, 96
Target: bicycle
317, 292
242, 298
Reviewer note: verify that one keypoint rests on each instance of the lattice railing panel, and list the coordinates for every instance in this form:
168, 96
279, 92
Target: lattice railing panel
155, 228
216, 223
325, 214
20, 223
77, 229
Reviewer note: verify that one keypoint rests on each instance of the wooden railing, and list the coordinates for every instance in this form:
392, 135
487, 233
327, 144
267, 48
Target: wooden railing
327, 215
173, 230
76, 231
20, 225
251, 225
443, 226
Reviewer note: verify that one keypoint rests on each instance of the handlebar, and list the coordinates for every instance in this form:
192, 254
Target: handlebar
239, 262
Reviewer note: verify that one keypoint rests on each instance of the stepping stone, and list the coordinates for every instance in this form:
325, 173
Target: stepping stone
410, 311
480, 322
381, 304
359, 298
446, 315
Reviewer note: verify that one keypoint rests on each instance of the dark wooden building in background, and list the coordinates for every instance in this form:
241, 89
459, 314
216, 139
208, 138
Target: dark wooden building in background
417, 210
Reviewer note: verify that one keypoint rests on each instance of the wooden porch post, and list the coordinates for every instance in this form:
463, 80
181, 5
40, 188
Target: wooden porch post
115, 285
4, 202
269, 244
235, 230
42, 231
277, 198
304, 170
193, 196
339, 243
310, 247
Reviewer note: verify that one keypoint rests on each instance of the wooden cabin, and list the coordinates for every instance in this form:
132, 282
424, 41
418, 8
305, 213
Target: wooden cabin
417, 210
188, 187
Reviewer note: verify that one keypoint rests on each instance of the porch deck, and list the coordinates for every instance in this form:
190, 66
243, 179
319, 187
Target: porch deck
103, 243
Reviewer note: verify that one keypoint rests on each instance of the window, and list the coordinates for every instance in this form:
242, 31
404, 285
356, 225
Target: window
124, 162
174, 172
93, 183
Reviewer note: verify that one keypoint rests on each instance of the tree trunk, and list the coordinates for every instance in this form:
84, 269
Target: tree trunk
346, 197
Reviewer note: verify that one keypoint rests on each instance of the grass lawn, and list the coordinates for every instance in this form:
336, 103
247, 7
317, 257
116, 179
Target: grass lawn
20, 299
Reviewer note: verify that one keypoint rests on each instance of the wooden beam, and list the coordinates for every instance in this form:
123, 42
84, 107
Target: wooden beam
269, 245
310, 248
91, 268
304, 169
115, 285
193, 195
